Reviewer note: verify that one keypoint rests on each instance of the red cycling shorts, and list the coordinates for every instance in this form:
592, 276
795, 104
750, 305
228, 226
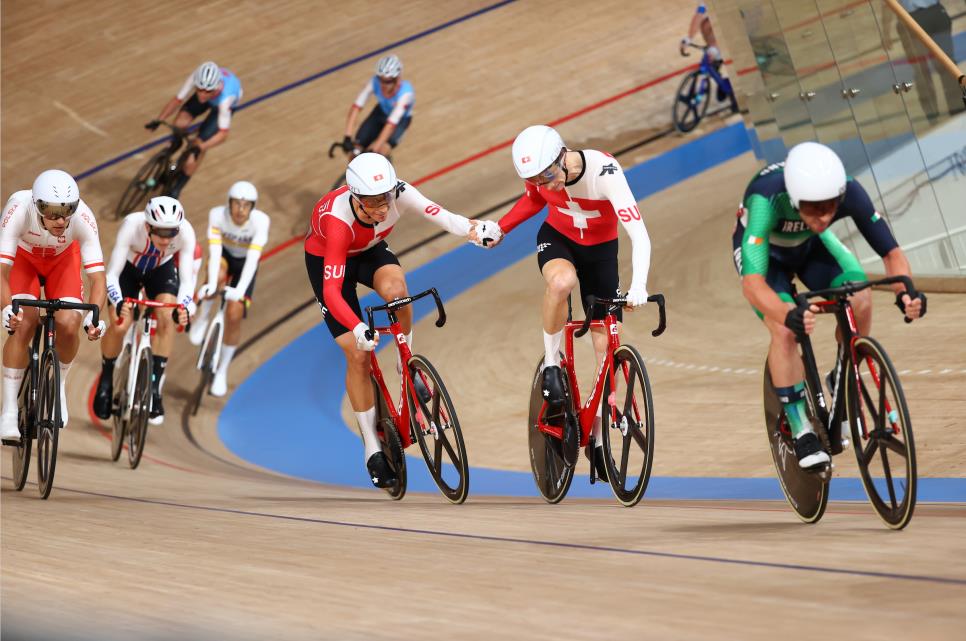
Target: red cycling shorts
61, 274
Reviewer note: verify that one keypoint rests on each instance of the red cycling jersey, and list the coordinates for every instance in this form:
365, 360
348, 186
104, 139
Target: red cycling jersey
336, 233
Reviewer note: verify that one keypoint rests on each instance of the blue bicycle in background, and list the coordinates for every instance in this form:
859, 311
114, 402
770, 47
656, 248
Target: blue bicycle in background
694, 94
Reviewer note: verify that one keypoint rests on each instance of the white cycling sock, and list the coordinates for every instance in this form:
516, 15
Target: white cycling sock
367, 426
227, 353
551, 348
64, 370
595, 432
12, 376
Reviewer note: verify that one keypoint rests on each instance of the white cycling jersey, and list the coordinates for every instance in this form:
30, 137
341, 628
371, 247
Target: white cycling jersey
238, 241
134, 246
20, 226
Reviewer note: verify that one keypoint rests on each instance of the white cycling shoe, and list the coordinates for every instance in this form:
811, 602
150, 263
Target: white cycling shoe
63, 404
219, 385
8, 427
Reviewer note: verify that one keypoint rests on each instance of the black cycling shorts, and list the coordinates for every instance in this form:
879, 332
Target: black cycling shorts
372, 126
233, 269
163, 279
360, 268
596, 265
209, 126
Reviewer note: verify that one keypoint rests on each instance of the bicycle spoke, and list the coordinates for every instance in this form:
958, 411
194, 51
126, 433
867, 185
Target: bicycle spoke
881, 419
894, 444
629, 398
437, 459
625, 454
888, 478
869, 451
638, 436
443, 442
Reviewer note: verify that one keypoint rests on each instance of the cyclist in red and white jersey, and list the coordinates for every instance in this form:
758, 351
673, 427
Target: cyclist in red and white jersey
346, 245
587, 195
38, 231
143, 258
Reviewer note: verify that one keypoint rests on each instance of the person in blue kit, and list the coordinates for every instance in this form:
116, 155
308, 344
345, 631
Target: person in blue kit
384, 127
213, 89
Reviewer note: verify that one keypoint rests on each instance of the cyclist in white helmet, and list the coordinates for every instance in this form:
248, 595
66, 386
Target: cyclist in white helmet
346, 245
586, 196
38, 230
382, 130
783, 231
237, 233
143, 258
213, 89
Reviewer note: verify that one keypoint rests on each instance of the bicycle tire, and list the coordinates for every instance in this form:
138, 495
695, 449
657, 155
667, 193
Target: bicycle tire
119, 423
207, 366
550, 473
140, 189
806, 491
140, 409
882, 438
627, 422
441, 434
20, 455
691, 101
391, 445
49, 422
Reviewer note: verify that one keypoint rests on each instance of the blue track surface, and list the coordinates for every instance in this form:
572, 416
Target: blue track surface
296, 396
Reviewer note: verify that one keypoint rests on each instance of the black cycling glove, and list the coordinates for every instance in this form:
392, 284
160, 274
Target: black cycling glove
795, 320
902, 306
347, 145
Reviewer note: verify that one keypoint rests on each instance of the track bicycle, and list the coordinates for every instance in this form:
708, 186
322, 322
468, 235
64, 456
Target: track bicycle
425, 411
39, 403
133, 382
209, 356
623, 392
866, 393
694, 93
158, 174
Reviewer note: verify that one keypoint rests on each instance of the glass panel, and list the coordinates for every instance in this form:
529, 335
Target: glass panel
782, 87
934, 106
885, 132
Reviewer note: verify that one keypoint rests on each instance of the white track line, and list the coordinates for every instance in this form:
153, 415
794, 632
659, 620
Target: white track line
83, 123
744, 371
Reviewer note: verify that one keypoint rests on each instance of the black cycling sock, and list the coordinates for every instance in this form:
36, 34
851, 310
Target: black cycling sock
107, 367
160, 363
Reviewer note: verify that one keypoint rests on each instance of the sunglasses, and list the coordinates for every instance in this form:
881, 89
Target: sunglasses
388, 81
164, 232
56, 211
374, 202
547, 175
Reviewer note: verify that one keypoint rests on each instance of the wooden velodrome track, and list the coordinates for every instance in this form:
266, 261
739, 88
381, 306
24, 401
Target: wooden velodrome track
198, 544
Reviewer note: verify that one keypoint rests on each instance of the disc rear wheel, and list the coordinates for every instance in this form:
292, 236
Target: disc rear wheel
550, 472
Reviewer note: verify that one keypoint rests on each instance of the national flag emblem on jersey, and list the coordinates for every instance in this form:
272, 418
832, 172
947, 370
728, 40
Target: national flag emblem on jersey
876, 217
755, 240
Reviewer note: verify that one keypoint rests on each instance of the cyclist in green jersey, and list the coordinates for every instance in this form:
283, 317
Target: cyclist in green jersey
783, 231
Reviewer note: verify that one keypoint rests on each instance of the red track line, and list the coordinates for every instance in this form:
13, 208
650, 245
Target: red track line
506, 143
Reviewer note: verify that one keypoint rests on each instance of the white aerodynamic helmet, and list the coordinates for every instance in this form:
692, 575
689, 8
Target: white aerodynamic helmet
389, 67
164, 212
243, 190
55, 193
207, 76
813, 172
535, 149
370, 174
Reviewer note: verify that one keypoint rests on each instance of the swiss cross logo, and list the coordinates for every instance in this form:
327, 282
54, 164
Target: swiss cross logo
525, 160
377, 177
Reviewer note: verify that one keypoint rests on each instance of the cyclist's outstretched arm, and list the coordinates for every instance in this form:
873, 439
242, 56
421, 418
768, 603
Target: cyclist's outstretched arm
214, 248
411, 201
15, 223
338, 235
613, 185
92, 258
355, 108
186, 272
530, 203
